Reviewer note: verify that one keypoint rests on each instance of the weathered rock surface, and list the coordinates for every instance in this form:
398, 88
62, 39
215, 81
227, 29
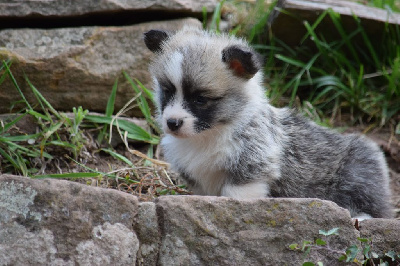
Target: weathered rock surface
198, 230
78, 66
385, 234
291, 29
56, 222
75, 7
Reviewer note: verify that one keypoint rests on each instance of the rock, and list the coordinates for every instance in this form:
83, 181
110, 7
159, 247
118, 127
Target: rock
56, 222
77, 66
385, 234
291, 29
222, 231
146, 226
16, 8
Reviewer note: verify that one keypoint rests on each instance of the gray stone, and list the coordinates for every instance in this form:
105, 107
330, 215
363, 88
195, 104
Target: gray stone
291, 29
384, 234
146, 227
56, 222
78, 66
18, 8
222, 231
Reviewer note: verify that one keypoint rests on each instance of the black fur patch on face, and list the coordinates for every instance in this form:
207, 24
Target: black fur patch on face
208, 109
168, 92
197, 101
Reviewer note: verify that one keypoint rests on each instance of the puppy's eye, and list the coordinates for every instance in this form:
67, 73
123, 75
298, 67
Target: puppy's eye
168, 92
201, 100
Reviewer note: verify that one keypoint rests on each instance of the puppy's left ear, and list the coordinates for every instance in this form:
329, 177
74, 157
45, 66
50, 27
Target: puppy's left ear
244, 63
154, 39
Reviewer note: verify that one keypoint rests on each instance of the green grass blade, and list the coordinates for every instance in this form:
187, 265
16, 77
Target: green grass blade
204, 12
9, 159
368, 43
111, 100
216, 17
19, 137
68, 175
134, 131
13, 80
41, 99
8, 125
142, 102
119, 157
109, 110
148, 93
335, 17
314, 26
39, 115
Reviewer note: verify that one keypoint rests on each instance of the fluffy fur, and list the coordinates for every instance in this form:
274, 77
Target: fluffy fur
225, 139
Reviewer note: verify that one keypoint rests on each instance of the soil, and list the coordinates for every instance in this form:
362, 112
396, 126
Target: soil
148, 180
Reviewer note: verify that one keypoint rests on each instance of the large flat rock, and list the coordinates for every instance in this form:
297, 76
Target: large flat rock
78, 66
17, 8
290, 28
385, 234
55, 222
58, 222
223, 231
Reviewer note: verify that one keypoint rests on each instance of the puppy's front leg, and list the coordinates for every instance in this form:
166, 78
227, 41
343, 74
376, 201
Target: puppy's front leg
253, 190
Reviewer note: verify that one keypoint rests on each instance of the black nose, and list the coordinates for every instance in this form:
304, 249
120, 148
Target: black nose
174, 124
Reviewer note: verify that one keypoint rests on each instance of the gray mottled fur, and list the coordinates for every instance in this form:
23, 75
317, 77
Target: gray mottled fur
251, 149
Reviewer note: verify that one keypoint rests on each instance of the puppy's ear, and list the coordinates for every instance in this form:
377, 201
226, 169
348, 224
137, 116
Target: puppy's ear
244, 62
154, 38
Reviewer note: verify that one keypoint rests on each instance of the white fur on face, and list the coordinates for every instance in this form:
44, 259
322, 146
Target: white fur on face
175, 109
173, 69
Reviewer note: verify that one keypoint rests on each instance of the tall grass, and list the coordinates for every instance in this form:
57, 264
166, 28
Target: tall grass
352, 74
60, 132
65, 137
390, 5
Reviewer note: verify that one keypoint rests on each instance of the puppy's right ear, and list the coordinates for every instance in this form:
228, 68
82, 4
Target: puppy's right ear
154, 38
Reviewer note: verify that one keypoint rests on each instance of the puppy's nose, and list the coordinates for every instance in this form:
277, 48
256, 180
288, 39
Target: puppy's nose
174, 124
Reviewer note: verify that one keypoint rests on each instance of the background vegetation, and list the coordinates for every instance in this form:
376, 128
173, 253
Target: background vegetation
329, 78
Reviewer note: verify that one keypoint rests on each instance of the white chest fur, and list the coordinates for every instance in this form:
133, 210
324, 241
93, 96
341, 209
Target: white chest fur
201, 158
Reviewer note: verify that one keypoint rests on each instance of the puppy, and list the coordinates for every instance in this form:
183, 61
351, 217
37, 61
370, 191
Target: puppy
225, 139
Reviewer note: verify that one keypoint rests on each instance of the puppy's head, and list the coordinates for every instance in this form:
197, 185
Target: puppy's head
201, 80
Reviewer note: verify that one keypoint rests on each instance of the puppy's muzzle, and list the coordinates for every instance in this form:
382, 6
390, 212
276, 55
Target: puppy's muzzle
174, 124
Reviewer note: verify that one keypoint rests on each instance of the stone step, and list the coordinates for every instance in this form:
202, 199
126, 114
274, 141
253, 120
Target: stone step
58, 222
78, 66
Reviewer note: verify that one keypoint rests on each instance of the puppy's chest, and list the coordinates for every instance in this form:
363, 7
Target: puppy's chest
203, 163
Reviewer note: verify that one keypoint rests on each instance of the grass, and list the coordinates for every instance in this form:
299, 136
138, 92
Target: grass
339, 76
390, 5
65, 136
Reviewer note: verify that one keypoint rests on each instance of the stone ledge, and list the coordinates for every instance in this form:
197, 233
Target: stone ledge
56, 222
74, 67
291, 30
45, 8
